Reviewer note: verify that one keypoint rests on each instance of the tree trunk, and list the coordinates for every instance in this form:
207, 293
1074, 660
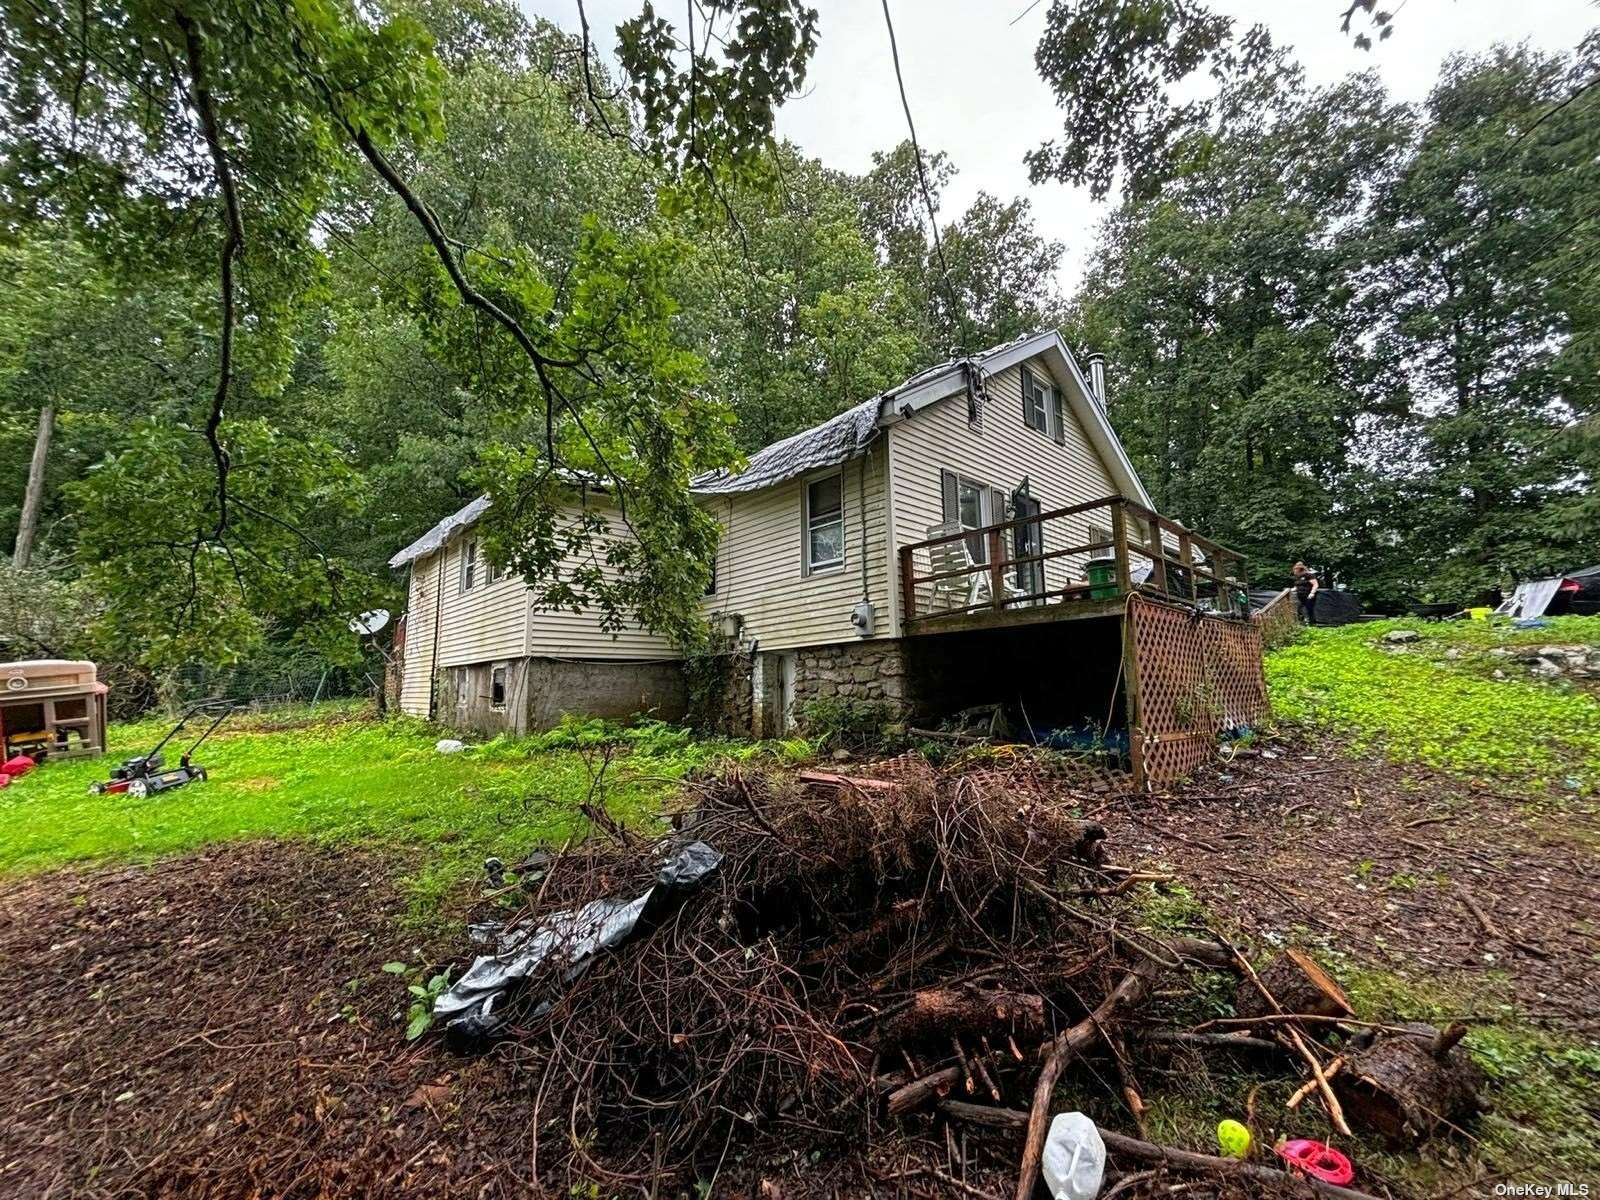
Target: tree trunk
33, 498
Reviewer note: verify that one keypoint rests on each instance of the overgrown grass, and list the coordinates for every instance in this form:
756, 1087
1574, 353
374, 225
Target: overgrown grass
336, 777
1419, 706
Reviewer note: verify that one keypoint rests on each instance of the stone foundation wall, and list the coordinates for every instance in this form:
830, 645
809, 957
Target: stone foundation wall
872, 672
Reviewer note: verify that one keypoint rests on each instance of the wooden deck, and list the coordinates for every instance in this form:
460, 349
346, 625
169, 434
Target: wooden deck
1071, 563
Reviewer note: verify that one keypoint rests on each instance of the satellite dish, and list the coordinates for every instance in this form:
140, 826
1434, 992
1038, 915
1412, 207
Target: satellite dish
370, 622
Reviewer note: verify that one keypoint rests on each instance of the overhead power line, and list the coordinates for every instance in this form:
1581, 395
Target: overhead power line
922, 179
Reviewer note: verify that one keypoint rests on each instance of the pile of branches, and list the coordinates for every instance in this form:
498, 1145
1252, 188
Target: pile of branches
865, 950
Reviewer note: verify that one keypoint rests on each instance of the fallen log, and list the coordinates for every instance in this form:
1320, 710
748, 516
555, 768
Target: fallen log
1014, 1120
937, 1012
1067, 1046
1407, 1086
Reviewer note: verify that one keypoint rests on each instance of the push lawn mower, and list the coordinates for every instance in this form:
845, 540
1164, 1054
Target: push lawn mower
143, 775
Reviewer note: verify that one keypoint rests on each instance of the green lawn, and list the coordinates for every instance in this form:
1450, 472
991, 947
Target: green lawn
339, 777
1422, 705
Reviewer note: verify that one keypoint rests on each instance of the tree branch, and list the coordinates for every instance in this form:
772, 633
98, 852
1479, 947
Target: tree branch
232, 245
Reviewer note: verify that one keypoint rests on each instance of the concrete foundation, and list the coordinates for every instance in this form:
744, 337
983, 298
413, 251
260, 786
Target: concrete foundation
524, 695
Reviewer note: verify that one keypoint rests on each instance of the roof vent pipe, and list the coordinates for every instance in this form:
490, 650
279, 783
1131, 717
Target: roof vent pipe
1097, 377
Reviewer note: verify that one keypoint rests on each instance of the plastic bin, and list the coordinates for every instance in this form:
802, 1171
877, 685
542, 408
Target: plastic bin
1102, 574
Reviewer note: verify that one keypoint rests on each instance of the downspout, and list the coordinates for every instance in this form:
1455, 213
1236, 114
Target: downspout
438, 605
861, 477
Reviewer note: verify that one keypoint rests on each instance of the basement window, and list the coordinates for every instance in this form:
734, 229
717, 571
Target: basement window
497, 688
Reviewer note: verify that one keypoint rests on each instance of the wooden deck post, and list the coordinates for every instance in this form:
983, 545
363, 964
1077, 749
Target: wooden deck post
1130, 694
997, 572
1119, 535
1158, 555
1186, 556
908, 589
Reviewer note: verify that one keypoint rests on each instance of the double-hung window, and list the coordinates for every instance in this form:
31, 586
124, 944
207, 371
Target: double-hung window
971, 506
824, 523
469, 565
1042, 408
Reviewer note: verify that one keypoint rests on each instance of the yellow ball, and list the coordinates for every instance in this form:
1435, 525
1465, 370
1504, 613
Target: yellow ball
1234, 1139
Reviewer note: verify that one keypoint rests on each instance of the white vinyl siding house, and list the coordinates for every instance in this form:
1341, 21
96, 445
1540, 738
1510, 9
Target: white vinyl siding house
937, 442
763, 573
808, 567
484, 617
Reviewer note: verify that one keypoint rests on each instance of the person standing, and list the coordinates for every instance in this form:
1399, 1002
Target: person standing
1305, 592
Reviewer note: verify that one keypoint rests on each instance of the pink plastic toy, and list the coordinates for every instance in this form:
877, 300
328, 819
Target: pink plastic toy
1316, 1159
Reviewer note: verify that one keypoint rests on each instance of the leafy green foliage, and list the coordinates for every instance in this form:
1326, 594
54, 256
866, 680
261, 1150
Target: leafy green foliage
839, 723
419, 1015
1471, 303
1353, 332
711, 119
1120, 118
171, 597
1418, 708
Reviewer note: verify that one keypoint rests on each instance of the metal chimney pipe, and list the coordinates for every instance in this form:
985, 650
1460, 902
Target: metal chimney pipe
1097, 377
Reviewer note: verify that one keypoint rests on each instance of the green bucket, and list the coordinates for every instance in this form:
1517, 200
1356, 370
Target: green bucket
1102, 578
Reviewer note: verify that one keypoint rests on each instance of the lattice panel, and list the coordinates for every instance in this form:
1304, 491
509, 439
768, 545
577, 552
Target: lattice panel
1278, 621
1194, 676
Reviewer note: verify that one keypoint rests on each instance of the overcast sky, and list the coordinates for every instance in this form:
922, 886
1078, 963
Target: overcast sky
975, 94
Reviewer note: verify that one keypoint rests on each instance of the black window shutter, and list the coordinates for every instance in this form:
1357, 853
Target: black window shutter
951, 498
1058, 414
997, 506
1027, 391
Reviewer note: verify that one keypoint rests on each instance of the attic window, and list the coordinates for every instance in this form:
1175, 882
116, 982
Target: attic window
1042, 408
469, 565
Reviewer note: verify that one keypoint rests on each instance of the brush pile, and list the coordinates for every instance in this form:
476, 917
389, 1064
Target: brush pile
864, 949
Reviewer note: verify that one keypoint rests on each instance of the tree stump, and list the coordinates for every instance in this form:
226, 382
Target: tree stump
1299, 984
1406, 1086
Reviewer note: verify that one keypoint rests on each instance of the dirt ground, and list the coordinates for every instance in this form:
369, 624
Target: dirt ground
219, 1025
1423, 875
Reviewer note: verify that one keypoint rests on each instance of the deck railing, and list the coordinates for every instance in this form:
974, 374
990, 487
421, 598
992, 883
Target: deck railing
1047, 558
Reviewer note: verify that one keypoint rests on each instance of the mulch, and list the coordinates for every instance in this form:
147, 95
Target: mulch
219, 1025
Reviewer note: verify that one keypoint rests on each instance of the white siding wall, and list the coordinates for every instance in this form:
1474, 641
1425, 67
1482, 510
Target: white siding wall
759, 561
419, 637
497, 621
938, 438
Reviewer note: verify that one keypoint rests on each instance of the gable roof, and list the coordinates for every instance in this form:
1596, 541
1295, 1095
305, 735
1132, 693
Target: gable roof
841, 438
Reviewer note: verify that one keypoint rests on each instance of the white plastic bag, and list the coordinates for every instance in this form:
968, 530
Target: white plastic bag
1074, 1159
449, 746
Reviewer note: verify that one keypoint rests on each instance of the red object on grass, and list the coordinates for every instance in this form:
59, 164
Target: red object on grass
5, 780
21, 764
1317, 1159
